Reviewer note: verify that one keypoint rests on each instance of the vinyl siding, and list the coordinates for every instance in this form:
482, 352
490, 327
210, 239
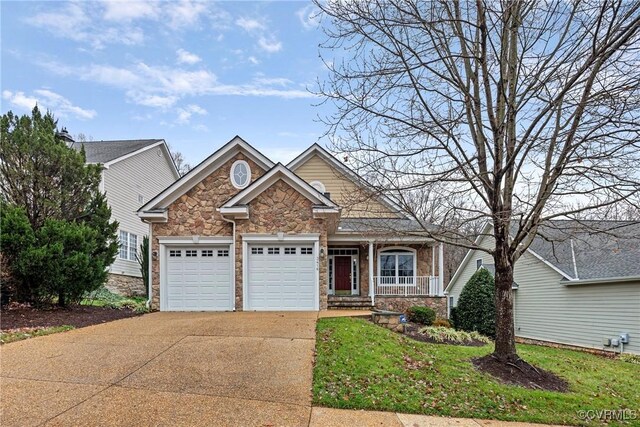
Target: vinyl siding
581, 315
353, 200
146, 174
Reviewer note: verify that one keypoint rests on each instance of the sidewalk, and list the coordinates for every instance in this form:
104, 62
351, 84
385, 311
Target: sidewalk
327, 417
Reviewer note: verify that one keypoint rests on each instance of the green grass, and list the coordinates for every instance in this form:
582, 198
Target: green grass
363, 366
24, 333
104, 298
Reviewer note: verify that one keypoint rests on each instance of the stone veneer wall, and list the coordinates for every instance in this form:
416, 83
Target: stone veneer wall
194, 213
281, 208
402, 304
128, 286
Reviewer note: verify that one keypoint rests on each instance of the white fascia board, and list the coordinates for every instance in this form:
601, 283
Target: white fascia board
325, 211
195, 240
280, 237
204, 169
265, 181
337, 238
601, 281
357, 179
153, 216
236, 212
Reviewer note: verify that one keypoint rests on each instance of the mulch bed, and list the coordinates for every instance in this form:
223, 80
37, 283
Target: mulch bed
77, 316
411, 331
521, 373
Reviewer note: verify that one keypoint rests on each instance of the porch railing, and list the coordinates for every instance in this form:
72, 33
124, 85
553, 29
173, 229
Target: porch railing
407, 286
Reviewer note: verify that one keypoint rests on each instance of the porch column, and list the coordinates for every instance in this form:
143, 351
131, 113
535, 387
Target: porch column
441, 269
372, 293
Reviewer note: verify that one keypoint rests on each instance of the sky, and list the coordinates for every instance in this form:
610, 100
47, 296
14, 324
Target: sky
192, 73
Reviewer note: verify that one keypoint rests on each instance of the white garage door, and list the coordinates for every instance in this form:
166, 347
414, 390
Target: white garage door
281, 277
199, 279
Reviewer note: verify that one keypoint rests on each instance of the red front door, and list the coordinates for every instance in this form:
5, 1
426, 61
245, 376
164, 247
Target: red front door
342, 274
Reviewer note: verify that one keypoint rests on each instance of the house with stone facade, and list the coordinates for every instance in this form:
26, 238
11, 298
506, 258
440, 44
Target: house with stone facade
133, 171
240, 232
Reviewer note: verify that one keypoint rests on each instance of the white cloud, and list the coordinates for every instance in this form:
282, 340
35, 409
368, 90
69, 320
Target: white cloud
122, 10
270, 45
161, 86
309, 16
185, 13
47, 100
184, 114
250, 25
185, 57
253, 60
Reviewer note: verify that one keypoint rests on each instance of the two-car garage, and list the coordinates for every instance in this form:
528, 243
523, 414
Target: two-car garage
276, 276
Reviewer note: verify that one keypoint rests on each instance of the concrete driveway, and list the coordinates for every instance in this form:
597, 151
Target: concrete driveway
165, 369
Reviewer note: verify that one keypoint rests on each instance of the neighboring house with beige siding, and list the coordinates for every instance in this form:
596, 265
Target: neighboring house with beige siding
573, 286
133, 172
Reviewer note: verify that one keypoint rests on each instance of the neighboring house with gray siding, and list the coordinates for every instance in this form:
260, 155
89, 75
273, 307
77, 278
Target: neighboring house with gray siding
134, 171
572, 286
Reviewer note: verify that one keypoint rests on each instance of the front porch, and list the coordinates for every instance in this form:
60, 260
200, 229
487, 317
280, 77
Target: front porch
369, 274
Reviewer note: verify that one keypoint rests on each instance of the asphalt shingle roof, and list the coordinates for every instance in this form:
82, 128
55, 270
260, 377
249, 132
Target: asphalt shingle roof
603, 249
381, 225
106, 151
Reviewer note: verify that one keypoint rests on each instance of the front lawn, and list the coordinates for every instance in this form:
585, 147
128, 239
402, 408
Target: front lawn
363, 366
22, 334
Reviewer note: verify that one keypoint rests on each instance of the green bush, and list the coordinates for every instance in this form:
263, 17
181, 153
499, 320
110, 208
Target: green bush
60, 261
422, 315
476, 310
447, 335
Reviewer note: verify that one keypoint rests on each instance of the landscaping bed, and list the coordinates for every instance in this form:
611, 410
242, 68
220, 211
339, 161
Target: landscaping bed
77, 316
362, 366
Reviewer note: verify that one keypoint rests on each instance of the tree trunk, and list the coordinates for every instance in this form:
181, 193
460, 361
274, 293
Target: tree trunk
505, 349
61, 300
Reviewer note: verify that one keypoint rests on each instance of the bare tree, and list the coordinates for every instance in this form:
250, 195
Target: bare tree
513, 112
181, 164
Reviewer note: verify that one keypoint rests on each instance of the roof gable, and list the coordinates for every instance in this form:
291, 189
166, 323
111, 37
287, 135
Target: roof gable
108, 151
345, 171
279, 172
204, 169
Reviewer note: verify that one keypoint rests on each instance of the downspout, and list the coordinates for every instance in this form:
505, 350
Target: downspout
441, 269
150, 287
233, 258
573, 257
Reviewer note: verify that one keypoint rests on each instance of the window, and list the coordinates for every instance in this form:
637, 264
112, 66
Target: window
331, 273
223, 252
128, 246
306, 251
190, 253
289, 251
273, 251
257, 251
207, 253
318, 186
397, 266
478, 264
240, 174
343, 251
175, 253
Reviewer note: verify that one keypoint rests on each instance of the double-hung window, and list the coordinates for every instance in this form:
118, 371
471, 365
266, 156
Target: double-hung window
397, 267
128, 246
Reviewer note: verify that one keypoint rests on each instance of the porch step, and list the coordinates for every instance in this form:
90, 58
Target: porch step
337, 302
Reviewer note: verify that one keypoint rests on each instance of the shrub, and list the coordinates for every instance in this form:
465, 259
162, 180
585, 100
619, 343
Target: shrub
422, 315
448, 335
476, 307
442, 322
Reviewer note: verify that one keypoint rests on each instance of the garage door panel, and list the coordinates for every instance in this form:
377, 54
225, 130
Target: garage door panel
281, 277
197, 280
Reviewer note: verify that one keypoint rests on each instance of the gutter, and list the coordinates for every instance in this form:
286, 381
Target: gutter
601, 281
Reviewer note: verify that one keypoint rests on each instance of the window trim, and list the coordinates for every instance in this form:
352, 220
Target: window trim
395, 250
232, 177
480, 265
320, 186
127, 246
354, 253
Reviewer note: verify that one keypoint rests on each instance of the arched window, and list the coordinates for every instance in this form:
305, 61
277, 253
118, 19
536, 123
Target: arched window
397, 265
318, 186
240, 174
